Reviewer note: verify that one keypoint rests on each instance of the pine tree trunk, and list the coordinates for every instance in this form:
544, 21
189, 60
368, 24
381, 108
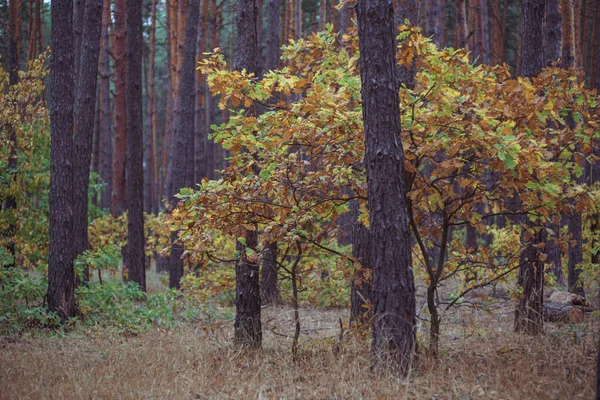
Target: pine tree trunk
394, 315
552, 32
105, 113
247, 326
528, 315
273, 28
497, 35
85, 102
61, 278
119, 201
135, 259
184, 129
435, 22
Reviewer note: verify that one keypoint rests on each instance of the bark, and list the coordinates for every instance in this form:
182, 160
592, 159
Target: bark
185, 129
247, 326
118, 201
461, 25
552, 32
135, 259
61, 277
360, 292
14, 38
575, 254
568, 34
199, 125
153, 161
595, 74
85, 102
78, 22
484, 31
528, 315
298, 19
497, 35
269, 285
435, 22
105, 112
393, 282
273, 28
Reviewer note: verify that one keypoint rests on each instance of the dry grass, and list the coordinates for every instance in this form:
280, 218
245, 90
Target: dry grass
482, 358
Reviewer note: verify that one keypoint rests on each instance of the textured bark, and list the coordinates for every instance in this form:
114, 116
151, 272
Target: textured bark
272, 35
568, 34
118, 201
483, 21
497, 33
393, 281
575, 254
199, 126
269, 286
552, 32
360, 292
595, 74
61, 277
248, 329
406, 10
135, 259
528, 314
151, 185
85, 102
34, 41
184, 130
105, 109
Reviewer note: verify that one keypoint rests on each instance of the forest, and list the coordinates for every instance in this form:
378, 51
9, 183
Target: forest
239, 199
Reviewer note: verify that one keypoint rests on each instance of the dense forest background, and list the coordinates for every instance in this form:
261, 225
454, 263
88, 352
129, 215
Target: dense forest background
378, 188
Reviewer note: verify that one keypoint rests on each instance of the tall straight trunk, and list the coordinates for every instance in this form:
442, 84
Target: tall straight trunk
167, 160
594, 174
85, 103
497, 35
472, 28
247, 328
552, 32
185, 129
394, 316
199, 125
135, 258
298, 19
461, 25
151, 155
595, 73
61, 277
105, 112
528, 315
322, 14
210, 101
119, 201
435, 22
577, 11
484, 30
272, 35
14, 39
33, 48
568, 34
78, 23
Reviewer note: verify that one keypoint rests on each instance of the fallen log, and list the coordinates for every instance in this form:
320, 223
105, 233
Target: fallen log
556, 312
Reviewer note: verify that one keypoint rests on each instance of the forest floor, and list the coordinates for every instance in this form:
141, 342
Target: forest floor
481, 358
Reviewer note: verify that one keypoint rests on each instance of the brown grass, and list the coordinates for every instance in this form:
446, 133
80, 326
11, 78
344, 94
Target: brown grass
481, 358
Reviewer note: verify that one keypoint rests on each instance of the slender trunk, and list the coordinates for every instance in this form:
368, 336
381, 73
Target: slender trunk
295, 304
552, 32
484, 31
199, 125
61, 277
497, 35
248, 329
119, 203
135, 259
273, 28
528, 314
394, 317
85, 102
568, 34
105, 113
435, 22
461, 25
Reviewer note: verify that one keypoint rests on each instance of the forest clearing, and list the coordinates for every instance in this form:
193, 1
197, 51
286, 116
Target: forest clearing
308, 199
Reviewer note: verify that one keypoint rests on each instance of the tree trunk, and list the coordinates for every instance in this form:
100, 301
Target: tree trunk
135, 259
118, 204
273, 28
497, 34
393, 282
200, 134
61, 278
248, 329
360, 292
568, 34
552, 32
435, 22
105, 113
269, 286
184, 130
85, 102
528, 315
